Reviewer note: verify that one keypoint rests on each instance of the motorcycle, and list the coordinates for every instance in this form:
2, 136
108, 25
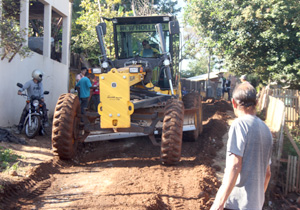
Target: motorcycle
34, 120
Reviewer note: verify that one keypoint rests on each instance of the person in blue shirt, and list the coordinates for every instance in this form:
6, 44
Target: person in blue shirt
184, 91
84, 94
148, 51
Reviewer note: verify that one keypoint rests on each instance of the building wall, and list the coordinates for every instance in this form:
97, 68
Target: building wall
60, 6
56, 74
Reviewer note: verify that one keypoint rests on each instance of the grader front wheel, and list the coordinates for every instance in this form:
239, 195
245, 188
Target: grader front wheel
171, 140
65, 126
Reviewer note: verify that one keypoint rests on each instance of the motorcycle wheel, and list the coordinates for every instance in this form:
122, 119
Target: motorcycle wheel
32, 131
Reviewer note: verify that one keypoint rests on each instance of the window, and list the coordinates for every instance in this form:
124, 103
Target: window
139, 40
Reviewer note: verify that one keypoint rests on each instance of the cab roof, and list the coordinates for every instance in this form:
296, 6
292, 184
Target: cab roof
142, 19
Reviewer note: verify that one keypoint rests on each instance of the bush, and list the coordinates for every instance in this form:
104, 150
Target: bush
8, 159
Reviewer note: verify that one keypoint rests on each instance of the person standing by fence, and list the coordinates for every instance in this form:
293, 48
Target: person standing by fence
243, 78
227, 88
248, 156
220, 86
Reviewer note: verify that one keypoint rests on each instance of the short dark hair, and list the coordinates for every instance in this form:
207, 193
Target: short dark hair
244, 95
90, 75
145, 42
83, 68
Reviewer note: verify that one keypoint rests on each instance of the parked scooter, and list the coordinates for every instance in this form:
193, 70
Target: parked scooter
34, 121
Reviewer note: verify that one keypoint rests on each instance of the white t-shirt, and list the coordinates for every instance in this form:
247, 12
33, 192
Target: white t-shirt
220, 83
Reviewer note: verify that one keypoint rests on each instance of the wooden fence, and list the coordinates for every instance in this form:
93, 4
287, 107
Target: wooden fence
293, 168
276, 123
291, 100
292, 178
276, 117
193, 86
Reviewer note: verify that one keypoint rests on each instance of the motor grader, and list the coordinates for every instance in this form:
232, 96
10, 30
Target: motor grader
140, 93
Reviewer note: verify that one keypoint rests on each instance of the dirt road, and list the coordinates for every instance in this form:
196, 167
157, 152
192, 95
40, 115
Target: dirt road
127, 174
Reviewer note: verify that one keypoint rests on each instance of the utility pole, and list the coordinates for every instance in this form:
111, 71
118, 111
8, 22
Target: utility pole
208, 87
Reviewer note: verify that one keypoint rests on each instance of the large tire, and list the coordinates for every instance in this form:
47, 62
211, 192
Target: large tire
65, 128
171, 140
193, 100
32, 131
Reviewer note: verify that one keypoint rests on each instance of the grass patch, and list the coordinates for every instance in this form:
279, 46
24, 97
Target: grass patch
1, 188
288, 148
8, 159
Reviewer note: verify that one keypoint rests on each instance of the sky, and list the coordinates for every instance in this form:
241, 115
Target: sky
182, 4
185, 62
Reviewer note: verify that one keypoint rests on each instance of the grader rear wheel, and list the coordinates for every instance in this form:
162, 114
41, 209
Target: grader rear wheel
193, 100
171, 140
65, 126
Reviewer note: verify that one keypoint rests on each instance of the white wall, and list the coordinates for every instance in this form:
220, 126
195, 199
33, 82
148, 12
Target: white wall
55, 80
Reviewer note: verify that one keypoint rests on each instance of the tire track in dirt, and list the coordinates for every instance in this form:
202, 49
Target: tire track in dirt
174, 191
179, 188
34, 185
17, 194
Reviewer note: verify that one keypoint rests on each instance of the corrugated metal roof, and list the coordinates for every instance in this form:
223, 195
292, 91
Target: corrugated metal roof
212, 75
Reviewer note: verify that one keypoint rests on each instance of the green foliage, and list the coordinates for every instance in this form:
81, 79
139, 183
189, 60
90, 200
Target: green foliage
10, 8
147, 7
252, 36
167, 7
8, 159
288, 148
12, 37
196, 67
84, 36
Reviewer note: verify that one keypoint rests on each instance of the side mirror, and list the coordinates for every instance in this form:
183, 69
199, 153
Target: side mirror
174, 27
46, 92
19, 85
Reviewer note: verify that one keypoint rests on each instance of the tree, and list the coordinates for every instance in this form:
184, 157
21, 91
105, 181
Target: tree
197, 52
260, 36
149, 7
12, 37
196, 67
84, 37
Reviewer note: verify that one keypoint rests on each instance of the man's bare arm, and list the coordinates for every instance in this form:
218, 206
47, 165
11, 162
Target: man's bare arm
268, 177
231, 174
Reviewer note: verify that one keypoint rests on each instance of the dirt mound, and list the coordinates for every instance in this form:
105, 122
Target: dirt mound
156, 203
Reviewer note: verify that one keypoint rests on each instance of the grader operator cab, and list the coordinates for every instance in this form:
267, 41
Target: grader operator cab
140, 92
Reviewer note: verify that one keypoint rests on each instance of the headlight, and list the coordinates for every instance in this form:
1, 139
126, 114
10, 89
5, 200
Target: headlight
35, 103
96, 71
105, 65
166, 62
